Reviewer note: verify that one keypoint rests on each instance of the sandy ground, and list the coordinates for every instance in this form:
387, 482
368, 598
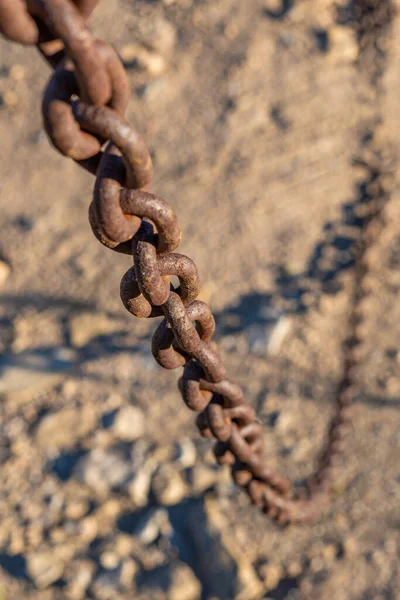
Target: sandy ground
256, 122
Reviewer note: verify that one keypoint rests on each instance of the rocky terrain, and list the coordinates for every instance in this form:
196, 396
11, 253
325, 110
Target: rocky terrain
269, 122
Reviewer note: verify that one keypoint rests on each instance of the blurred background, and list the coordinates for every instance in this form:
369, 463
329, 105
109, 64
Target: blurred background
270, 123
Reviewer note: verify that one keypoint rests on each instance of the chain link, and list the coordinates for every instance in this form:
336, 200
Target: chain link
124, 216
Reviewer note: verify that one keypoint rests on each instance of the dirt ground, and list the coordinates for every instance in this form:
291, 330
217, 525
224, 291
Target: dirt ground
258, 115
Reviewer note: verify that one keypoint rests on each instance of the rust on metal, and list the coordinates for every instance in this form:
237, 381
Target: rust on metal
124, 216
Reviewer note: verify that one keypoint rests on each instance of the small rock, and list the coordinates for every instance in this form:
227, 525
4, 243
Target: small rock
10, 98
168, 486
139, 486
5, 271
350, 546
203, 477
124, 545
330, 552
184, 584
343, 45
44, 568
79, 576
294, 569
128, 571
156, 522
142, 58
86, 326
77, 509
109, 560
129, 423
107, 585
62, 429
88, 529
17, 72
278, 334
268, 337
185, 453
271, 574
103, 469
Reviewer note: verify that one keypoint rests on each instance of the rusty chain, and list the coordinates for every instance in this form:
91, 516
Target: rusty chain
124, 216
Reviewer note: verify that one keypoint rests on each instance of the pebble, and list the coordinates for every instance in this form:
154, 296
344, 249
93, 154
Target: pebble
44, 568
168, 486
350, 546
77, 509
103, 469
88, 529
272, 574
185, 453
106, 586
124, 545
267, 338
17, 72
203, 478
88, 325
128, 571
183, 584
343, 45
139, 486
79, 576
278, 335
109, 560
61, 430
156, 522
10, 98
142, 58
5, 271
129, 423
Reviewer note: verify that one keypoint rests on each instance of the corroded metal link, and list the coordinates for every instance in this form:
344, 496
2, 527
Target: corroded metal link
62, 126
19, 20
66, 23
189, 341
153, 286
116, 212
167, 264
16, 23
164, 347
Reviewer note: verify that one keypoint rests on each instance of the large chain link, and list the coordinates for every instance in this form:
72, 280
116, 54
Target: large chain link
129, 219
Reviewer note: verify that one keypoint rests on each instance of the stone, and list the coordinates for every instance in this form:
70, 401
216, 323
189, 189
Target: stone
129, 423
5, 271
62, 429
129, 569
79, 576
88, 325
107, 585
272, 574
109, 560
144, 59
139, 486
278, 335
267, 337
168, 486
203, 477
343, 45
17, 72
44, 568
184, 584
154, 523
103, 469
77, 509
185, 453
124, 545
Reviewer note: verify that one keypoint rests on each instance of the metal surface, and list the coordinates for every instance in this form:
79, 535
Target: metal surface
125, 217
